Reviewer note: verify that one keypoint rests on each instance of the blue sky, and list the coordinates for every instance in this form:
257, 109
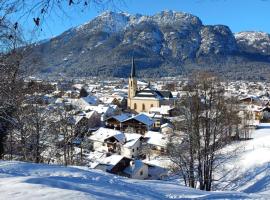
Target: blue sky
239, 15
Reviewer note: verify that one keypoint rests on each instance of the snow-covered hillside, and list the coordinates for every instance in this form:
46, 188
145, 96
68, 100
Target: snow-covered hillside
20, 180
245, 175
247, 167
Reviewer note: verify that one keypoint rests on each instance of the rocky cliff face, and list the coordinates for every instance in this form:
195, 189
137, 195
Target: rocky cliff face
253, 42
163, 44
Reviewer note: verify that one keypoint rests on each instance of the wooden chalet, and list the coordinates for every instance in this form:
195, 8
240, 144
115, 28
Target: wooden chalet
138, 124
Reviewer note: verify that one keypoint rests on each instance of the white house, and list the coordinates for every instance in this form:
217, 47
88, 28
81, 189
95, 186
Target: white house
123, 166
137, 170
107, 140
164, 110
105, 111
132, 146
167, 128
157, 141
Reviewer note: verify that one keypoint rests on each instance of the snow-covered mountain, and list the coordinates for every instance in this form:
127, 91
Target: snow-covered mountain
253, 42
166, 43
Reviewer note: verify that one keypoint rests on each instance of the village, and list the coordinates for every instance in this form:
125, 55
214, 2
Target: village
123, 126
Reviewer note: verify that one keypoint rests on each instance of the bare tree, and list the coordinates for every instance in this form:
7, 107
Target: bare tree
210, 120
64, 129
10, 92
12, 14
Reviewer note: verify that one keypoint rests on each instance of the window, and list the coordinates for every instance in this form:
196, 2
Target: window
135, 106
132, 150
143, 107
137, 148
152, 105
141, 172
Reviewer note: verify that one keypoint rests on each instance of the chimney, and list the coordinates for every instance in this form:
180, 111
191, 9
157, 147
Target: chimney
132, 163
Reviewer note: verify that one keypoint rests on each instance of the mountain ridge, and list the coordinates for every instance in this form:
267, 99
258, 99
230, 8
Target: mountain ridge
167, 43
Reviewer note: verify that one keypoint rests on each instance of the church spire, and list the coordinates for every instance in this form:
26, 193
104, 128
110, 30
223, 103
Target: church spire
133, 74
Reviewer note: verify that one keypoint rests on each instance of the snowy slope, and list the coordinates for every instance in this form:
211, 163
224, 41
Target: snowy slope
247, 167
20, 180
245, 172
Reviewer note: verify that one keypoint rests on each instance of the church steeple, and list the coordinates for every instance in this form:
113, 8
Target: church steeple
133, 74
132, 82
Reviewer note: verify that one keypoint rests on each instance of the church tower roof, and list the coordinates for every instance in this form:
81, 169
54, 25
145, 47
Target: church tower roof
133, 74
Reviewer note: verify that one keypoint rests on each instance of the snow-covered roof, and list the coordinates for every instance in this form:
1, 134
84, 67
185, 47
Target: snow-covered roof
164, 109
78, 118
166, 125
134, 167
153, 115
175, 94
107, 99
88, 115
156, 138
85, 102
78, 86
59, 101
122, 117
143, 119
254, 108
102, 109
96, 155
131, 139
111, 161
104, 133
91, 100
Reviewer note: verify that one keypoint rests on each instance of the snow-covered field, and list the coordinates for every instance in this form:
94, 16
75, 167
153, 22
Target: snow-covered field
20, 180
248, 168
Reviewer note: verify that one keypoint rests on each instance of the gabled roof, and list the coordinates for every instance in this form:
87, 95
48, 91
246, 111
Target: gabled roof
78, 118
92, 100
167, 125
104, 133
142, 118
131, 139
78, 86
148, 92
156, 138
112, 161
134, 168
122, 117
165, 93
102, 109
88, 115
164, 109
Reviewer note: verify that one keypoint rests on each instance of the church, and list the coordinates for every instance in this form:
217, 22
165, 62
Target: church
143, 100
